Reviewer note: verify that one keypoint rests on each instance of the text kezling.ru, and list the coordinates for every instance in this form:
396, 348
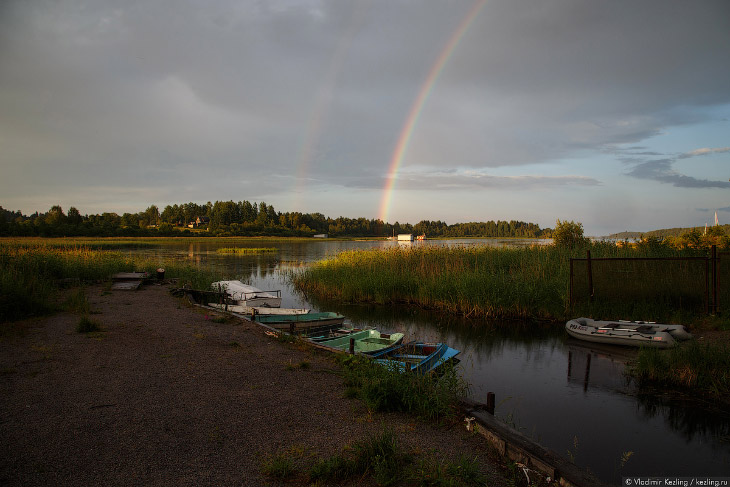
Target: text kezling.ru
677, 481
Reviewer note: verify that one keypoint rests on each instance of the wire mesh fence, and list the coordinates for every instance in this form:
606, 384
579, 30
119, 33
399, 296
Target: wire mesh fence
692, 284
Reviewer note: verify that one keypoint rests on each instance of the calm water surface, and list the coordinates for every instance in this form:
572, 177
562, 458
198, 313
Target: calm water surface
571, 397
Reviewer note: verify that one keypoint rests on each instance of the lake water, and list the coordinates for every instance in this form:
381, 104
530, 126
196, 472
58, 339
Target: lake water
569, 396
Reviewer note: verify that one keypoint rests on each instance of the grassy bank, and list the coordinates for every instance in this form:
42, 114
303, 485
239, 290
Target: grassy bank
478, 281
703, 368
473, 281
31, 273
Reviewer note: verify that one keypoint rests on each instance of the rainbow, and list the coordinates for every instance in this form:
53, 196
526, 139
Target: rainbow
407, 131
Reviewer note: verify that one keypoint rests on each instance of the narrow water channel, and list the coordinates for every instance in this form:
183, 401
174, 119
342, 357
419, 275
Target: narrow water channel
569, 396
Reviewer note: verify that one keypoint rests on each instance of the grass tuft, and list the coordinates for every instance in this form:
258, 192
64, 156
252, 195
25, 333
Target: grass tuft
689, 365
428, 396
86, 325
278, 466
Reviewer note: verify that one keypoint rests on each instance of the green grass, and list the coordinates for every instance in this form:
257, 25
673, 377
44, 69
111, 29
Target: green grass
86, 325
278, 466
31, 273
77, 302
488, 282
426, 396
382, 458
701, 367
379, 456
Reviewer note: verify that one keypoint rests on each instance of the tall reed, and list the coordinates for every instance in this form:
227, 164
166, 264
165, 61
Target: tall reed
479, 281
692, 365
30, 273
482, 281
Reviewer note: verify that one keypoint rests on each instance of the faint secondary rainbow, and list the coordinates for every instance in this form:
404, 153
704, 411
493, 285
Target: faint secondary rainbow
323, 100
407, 130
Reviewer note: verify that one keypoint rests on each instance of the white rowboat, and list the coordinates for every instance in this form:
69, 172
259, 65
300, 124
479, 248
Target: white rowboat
630, 333
245, 295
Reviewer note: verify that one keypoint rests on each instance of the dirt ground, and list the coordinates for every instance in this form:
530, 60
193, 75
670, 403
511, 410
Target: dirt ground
165, 395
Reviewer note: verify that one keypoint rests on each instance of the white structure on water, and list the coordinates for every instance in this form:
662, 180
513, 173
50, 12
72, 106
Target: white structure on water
405, 237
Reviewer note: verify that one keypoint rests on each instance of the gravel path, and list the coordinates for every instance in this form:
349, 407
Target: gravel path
164, 395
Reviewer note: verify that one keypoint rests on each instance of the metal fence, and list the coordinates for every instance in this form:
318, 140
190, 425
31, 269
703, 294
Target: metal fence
698, 284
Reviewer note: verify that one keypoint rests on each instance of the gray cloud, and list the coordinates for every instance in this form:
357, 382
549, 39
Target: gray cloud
459, 180
661, 170
703, 152
217, 98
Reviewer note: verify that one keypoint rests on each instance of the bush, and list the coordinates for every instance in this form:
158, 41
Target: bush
569, 234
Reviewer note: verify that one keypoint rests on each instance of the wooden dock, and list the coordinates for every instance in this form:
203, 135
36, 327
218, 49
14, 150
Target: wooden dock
128, 281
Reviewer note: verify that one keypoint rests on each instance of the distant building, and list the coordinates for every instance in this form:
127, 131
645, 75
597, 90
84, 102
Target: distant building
201, 221
320, 235
405, 237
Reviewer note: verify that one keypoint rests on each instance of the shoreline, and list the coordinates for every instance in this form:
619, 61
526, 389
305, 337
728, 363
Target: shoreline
166, 395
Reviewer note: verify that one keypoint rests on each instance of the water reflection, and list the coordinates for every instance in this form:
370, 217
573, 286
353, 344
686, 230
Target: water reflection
570, 396
689, 417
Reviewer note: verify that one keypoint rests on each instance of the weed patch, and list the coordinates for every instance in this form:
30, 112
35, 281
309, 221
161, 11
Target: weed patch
428, 396
87, 325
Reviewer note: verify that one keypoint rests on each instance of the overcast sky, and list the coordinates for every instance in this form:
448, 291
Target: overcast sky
613, 113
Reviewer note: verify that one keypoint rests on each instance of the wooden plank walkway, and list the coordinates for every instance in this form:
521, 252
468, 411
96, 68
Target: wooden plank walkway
126, 285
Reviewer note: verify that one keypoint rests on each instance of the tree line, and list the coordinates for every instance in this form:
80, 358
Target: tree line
243, 218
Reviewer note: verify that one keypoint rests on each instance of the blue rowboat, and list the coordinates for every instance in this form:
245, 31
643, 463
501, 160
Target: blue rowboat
416, 356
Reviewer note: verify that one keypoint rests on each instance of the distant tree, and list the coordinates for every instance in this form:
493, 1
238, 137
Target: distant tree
55, 216
569, 234
74, 217
153, 215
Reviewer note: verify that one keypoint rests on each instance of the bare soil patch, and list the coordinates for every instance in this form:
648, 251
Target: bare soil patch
166, 395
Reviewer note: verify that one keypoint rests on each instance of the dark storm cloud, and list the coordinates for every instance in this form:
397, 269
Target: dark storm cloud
229, 94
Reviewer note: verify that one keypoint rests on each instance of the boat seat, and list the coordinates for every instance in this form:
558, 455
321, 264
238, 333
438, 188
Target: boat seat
646, 329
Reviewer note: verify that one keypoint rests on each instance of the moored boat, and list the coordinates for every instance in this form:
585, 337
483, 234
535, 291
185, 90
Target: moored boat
629, 333
308, 320
246, 295
259, 310
364, 341
415, 356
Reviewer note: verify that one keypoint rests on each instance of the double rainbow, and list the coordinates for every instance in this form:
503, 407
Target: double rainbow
407, 130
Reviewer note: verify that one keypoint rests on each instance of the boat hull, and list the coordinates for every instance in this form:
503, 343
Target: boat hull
633, 334
365, 341
246, 295
308, 320
416, 357
259, 310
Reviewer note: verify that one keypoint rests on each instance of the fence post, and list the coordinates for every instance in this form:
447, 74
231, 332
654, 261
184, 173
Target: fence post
714, 279
590, 276
707, 286
570, 289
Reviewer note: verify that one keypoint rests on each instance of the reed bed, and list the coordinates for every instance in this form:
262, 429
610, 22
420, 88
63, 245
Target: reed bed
31, 274
703, 367
478, 281
472, 281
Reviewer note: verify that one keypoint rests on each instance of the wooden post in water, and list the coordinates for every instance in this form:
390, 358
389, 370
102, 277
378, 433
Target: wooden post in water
292, 328
490, 403
352, 346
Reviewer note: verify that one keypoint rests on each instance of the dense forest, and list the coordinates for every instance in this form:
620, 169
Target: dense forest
663, 233
228, 218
